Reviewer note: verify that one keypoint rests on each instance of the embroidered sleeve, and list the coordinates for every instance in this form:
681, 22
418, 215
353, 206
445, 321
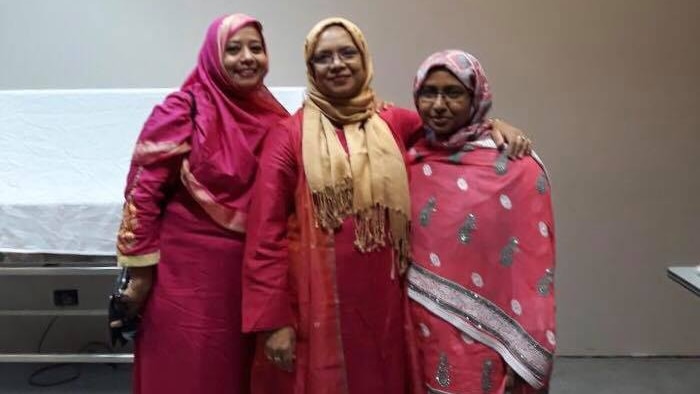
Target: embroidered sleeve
153, 173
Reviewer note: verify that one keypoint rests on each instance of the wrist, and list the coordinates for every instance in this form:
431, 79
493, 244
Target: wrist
141, 273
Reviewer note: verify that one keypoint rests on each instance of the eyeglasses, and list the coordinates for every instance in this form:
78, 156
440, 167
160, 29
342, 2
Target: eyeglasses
326, 58
450, 93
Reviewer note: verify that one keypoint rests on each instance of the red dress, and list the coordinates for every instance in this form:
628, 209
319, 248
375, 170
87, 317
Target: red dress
346, 308
481, 286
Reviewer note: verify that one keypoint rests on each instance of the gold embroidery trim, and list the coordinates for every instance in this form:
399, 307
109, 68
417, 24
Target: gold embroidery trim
143, 260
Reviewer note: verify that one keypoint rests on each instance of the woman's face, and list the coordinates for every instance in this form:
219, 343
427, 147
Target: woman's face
337, 64
443, 102
245, 60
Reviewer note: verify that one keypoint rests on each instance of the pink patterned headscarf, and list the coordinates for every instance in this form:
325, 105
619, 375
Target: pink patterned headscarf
467, 69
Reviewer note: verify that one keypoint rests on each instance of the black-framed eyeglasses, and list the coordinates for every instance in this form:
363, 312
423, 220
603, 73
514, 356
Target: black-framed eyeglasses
326, 58
451, 93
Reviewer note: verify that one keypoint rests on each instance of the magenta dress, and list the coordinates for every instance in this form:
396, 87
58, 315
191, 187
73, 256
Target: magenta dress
190, 340
187, 197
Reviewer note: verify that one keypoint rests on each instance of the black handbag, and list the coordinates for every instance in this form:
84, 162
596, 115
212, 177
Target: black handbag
118, 311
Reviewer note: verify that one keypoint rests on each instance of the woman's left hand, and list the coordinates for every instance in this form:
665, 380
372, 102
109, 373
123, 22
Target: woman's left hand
136, 293
518, 143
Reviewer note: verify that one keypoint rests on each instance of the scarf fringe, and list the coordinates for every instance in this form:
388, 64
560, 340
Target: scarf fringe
370, 234
333, 204
370, 228
400, 237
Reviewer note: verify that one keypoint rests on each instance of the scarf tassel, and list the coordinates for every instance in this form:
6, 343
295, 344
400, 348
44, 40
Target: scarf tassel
332, 204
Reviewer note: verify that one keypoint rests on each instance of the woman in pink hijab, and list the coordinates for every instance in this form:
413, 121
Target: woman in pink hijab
183, 226
481, 283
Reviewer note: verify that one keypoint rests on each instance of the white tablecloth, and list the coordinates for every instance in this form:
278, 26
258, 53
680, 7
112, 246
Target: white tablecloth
63, 161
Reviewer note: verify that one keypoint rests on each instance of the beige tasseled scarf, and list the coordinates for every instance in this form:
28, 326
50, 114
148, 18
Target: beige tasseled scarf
370, 182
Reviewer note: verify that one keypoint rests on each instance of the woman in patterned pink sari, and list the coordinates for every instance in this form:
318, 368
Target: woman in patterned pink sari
481, 286
184, 219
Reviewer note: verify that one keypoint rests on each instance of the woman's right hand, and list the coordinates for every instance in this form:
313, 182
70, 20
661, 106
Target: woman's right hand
137, 291
280, 347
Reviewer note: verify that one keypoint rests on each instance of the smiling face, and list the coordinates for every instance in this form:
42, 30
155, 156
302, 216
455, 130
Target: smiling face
245, 59
337, 64
443, 102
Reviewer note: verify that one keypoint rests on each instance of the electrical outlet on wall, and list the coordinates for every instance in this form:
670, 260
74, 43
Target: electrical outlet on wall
65, 297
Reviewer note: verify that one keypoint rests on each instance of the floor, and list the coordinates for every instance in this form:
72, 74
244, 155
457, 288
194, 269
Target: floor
626, 376
571, 376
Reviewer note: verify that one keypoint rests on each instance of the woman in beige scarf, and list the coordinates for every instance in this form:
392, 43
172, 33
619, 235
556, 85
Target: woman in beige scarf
328, 232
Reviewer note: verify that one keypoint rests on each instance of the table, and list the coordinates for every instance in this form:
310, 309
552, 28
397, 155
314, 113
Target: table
64, 156
688, 277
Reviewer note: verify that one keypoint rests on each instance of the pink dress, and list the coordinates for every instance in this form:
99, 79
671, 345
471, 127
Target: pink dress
481, 286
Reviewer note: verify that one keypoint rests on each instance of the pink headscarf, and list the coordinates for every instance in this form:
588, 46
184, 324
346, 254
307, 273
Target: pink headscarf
230, 125
467, 69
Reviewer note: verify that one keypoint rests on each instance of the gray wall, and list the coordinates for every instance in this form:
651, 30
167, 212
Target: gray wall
608, 89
